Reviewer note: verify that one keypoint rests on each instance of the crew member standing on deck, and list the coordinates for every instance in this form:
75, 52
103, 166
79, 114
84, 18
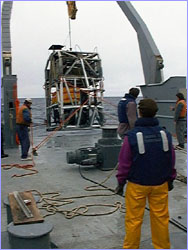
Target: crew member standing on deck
127, 112
147, 161
3, 155
180, 119
23, 121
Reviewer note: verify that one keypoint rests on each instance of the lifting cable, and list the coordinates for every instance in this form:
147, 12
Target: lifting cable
70, 34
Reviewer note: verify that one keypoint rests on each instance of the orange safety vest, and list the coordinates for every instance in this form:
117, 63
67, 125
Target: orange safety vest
184, 110
19, 117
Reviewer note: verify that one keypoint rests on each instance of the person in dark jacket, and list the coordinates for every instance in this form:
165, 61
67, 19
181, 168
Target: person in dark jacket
3, 155
127, 112
180, 119
23, 121
146, 161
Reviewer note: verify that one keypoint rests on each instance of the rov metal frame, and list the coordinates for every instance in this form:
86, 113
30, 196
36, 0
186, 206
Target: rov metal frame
72, 78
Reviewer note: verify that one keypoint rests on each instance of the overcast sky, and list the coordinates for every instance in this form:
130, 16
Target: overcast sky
36, 25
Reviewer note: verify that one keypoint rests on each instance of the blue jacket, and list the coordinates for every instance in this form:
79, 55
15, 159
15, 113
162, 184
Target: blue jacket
122, 115
152, 166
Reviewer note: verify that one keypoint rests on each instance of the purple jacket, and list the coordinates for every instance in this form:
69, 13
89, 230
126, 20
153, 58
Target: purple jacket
125, 162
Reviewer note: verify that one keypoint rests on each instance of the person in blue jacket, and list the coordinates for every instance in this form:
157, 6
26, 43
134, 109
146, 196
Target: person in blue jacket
127, 112
147, 162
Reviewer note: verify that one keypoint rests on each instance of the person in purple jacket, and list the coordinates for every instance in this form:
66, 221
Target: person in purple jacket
147, 162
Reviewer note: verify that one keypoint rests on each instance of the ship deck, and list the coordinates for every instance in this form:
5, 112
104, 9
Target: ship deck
56, 175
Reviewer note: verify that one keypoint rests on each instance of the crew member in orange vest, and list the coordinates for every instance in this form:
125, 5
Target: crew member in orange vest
180, 119
23, 121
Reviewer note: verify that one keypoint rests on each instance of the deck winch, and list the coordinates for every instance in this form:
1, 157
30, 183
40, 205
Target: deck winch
105, 153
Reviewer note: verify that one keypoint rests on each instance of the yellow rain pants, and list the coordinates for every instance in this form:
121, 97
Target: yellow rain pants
135, 200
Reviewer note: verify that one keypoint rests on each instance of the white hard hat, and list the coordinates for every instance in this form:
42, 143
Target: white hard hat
28, 100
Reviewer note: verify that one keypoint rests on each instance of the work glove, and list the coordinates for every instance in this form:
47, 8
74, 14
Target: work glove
119, 189
170, 185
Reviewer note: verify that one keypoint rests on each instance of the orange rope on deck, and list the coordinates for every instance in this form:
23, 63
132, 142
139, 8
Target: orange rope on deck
27, 167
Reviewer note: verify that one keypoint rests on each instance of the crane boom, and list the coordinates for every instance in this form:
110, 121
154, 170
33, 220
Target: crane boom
152, 61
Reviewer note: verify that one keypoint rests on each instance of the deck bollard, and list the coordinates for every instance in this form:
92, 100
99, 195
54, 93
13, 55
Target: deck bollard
30, 236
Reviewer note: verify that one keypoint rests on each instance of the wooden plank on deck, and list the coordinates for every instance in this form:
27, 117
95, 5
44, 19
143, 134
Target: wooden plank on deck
18, 215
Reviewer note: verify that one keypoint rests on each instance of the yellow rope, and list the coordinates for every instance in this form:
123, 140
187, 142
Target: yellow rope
52, 202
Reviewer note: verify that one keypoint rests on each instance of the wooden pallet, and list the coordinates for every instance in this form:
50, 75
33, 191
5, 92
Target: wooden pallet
18, 215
